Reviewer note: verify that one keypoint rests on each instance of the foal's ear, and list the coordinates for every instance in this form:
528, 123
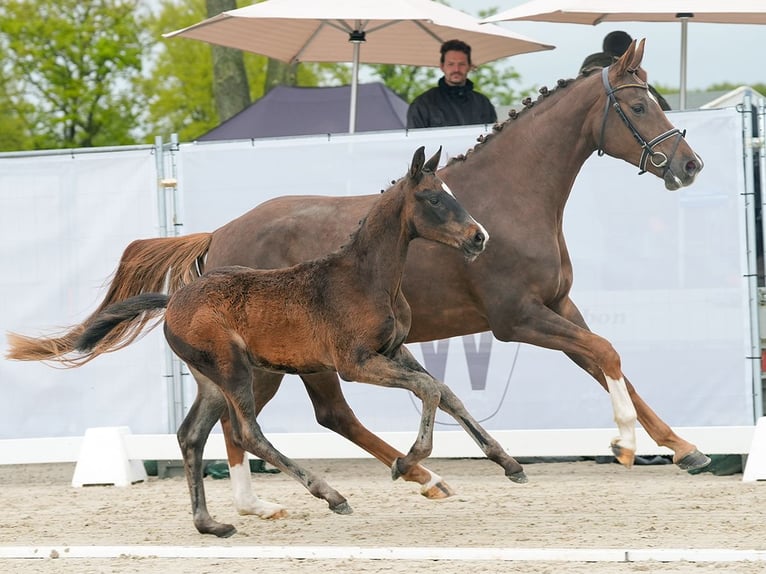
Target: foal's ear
433, 163
418, 159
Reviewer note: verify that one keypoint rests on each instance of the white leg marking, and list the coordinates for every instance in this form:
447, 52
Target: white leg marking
435, 479
624, 412
245, 501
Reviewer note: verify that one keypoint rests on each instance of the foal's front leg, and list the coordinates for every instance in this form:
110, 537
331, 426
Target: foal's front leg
452, 405
377, 369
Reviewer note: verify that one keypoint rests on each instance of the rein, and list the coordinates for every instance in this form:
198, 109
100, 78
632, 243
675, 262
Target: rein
658, 159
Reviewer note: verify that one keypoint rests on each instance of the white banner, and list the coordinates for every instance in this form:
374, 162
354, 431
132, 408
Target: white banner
64, 222
659, 274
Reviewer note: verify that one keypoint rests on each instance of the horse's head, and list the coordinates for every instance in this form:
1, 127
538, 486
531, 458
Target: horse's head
433, 211
633, 127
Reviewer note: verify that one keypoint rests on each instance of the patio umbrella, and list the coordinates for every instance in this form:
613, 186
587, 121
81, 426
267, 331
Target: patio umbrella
393, 32
684, 11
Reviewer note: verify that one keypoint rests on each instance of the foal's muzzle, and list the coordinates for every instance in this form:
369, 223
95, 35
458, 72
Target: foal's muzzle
475, 243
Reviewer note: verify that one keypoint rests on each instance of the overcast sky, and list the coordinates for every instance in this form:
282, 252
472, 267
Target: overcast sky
716, 52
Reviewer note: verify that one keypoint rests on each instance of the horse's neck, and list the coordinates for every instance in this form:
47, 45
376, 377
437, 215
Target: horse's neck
537, 154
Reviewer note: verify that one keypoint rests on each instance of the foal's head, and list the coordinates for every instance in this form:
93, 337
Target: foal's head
433, 212
632, 126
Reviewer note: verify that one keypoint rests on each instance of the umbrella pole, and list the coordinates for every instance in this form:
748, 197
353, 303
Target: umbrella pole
682, 92
354, 85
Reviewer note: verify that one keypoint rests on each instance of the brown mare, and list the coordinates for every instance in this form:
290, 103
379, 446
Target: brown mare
517, 181
341, 313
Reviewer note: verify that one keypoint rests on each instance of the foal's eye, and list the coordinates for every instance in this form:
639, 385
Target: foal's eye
434, 199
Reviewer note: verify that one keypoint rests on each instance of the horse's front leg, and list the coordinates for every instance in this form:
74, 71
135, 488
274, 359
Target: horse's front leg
541, 326
685, 454
452, 405
333, 412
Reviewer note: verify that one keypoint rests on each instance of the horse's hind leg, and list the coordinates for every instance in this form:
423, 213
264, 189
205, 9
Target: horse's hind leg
333, 412
246, 502
192, 436
248, 434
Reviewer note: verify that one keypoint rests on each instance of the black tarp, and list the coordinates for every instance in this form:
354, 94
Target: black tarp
292, 111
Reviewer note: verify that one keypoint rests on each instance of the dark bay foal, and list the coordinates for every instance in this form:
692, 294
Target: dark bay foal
341, 313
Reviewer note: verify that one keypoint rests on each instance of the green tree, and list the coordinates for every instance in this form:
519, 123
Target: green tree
183, 101
230, 86
67, 71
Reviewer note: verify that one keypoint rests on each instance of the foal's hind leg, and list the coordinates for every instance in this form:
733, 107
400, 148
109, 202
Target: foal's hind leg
192, 436
250, 436
246, 502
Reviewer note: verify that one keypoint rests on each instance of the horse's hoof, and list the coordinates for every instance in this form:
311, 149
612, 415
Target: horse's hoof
395, 472
438, 491
695, 460
518, 477
624, 456
342, 508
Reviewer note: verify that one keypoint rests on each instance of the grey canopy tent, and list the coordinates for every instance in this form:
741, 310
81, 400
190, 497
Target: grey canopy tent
291, 111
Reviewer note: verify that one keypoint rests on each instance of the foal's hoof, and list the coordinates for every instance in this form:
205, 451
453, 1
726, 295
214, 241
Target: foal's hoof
342, 508
219, 529
518, 477
695, 460
624, 456
438, 491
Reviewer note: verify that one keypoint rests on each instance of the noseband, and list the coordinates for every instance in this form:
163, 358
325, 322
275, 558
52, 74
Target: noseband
658, 159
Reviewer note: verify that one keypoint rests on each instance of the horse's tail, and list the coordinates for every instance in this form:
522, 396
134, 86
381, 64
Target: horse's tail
120, 324
162, 264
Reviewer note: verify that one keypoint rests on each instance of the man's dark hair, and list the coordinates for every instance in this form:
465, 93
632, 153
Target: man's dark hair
616, 43
455, 46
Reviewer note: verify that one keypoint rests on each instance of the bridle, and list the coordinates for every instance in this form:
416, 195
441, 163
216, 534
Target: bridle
658, 159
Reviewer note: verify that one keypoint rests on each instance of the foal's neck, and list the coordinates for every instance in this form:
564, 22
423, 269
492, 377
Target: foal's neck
379, 246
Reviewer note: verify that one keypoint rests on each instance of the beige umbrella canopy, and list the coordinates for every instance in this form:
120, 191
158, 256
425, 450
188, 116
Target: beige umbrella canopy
684, 11
358, 31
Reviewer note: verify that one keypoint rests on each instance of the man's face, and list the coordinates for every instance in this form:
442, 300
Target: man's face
455, 67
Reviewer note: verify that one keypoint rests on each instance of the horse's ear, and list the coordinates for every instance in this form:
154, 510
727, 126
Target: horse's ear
624, 63
433, 163
418, 159
635, 63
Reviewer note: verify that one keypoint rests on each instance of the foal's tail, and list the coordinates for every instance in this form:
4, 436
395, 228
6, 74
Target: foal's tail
162, 264
119, 324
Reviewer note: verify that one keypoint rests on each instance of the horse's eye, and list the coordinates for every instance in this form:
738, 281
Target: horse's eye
638, 109
434, 199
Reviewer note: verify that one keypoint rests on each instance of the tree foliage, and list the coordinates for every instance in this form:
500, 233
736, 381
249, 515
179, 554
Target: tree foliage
67, 71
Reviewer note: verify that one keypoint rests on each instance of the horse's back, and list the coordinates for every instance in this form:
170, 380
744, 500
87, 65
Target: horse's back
288, 230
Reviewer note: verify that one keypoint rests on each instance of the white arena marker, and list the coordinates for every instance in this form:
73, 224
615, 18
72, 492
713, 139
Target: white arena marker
755, 467
388, 553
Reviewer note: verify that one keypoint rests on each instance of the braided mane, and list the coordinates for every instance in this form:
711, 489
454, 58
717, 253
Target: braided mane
527, 102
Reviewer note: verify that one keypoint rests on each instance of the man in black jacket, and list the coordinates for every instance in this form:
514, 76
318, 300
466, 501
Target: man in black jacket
453, 102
